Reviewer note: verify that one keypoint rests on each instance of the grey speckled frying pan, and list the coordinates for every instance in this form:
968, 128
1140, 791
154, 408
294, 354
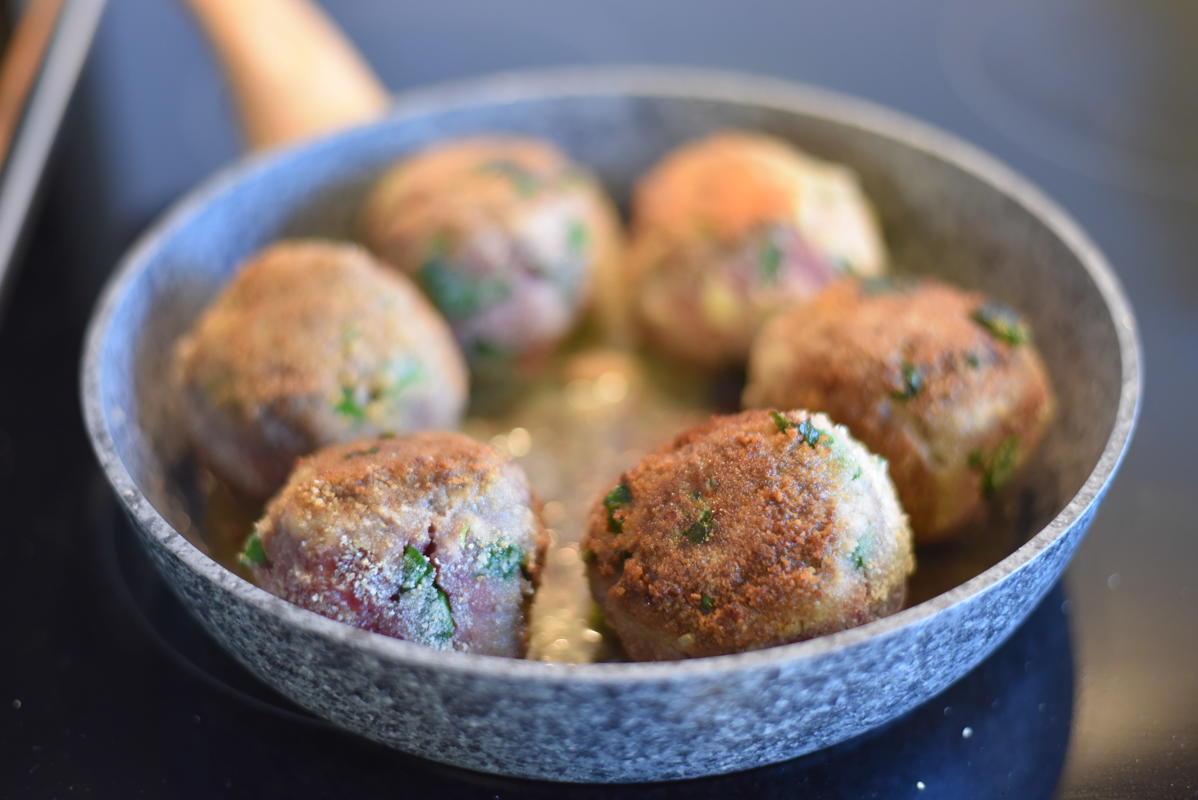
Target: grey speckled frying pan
947, 210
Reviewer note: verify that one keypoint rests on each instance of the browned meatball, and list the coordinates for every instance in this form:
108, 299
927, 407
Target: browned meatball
504, 233
431, 537
731, 229
312, 343
752, 530
942, 382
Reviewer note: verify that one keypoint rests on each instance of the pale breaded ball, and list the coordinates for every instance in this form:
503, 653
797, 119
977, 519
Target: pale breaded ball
505, 235
311, 343
731, 229
430, 537
752, 530
942, 382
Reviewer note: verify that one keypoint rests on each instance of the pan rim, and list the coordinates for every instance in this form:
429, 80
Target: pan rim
626, 81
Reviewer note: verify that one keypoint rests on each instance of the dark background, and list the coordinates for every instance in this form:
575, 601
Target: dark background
107, 690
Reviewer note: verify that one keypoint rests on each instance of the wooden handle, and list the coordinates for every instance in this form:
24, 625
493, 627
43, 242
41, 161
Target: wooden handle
22, 59
294, 75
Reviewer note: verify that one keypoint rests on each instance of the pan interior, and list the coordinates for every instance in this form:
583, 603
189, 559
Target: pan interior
938, 219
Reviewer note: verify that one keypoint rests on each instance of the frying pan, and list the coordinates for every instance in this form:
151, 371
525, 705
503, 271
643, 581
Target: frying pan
947, 210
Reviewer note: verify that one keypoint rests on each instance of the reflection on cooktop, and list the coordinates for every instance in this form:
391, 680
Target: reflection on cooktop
1008, 718
1041, 73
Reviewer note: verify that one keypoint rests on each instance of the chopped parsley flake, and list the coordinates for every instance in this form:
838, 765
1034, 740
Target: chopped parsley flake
349, 406
912, 382
521, 177
253, 554
576, 238
699, 531
807, 432
457, 294
858, 556
999, 466
624, 555
782, 422
502, 561
587, 556
414, 569
486, 350
706, 603
421, 598
1002, 322
857, 472
357, 453
813, 435
615, 500
770, 260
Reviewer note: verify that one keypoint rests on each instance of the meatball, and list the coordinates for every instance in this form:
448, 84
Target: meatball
504, 234
752, 530
431, 537
731, 229
312, 343
942, 382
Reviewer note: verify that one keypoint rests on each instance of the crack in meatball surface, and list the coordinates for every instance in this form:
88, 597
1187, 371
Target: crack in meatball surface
433, 538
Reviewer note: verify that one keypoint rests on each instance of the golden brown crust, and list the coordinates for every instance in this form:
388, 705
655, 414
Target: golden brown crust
851, 352
267, 366
732, 229
738, 535
732, 183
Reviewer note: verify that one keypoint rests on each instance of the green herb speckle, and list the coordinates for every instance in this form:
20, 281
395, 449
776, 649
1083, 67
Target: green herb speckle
457, 294
521, 177
348, 405
486, 350
616, 499
971, 358
912, 379
813, 435
782, 422
999, 466
1002, 322
577, 237
587, 556
858, 556
502, 560
414, 568
700, 530
807, 431
421, 598
253, 554
358, 453
706, 603
770, 261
